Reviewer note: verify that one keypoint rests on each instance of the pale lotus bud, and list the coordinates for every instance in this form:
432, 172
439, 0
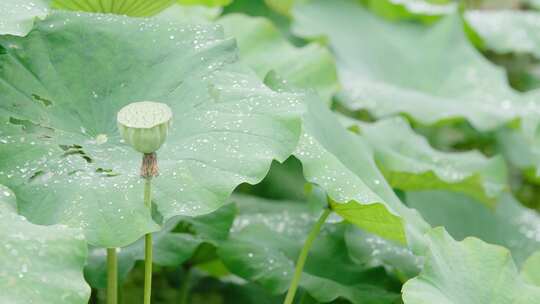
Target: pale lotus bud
144, 125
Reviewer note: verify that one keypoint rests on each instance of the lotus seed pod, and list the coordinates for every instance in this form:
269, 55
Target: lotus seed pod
144, 125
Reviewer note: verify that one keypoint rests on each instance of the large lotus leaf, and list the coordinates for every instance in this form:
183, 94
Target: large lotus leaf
431, 73
73, 73
173, 245
507, 31
468, 272
264, 48
17, 16
343, 165
510, 225
408, 162
136, 8
39, 264
531, 269
424, 10
267, 237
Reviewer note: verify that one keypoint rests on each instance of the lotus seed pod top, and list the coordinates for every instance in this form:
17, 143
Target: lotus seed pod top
144, 125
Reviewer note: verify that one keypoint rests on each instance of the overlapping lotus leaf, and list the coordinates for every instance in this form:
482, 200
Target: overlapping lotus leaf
39, 264
61, 87
408, 162
430, 73
510, 225
343, 165
17, 17
507, 31
264, 49
467, 272
267, 237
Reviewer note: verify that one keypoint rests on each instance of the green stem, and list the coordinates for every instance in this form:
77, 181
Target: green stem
112, 276
184, 289
148, 245
303, 256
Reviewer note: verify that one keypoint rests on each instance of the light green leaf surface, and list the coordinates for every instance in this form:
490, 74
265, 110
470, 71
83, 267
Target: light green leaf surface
343, 165
71, 76
282, 6
517, 148
135, 8
468, 272
424, 10
408, 162
264, 48
369, 249
510, 225
531, 269
211, 3
39, 264
521, 145
507, 31
173, 245
432, 74
17, 16
266, 239
190, 14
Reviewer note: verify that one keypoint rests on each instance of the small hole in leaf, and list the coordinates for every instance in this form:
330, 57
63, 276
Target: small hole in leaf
36, 175
75, 150
31, 127
107, 172
46, 102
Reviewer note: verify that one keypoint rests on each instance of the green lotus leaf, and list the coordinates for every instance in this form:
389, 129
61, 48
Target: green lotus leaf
371, 250
62, 86
510, 225
17, 17
408, 162
468, 272
190, 14
267, 237
40, 264
211, 3
136, 8
282, 6
173, 245
507, 31
424, 10
264, 48
343, 165
531, 269
432, 74
517, 149
521, 145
